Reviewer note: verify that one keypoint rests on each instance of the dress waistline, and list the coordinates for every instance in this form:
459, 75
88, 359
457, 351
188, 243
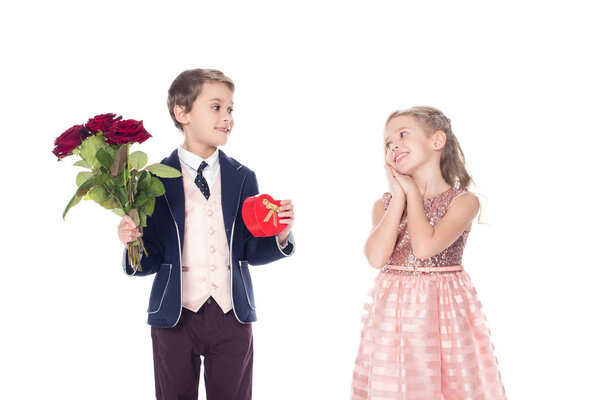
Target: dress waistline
425, 270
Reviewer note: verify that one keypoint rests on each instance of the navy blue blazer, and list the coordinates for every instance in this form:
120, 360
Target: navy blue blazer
163, 239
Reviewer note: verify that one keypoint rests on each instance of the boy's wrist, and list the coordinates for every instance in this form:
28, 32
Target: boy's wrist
283, 243
287, 247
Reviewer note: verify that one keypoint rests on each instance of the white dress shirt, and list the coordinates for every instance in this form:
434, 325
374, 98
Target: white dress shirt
192, 161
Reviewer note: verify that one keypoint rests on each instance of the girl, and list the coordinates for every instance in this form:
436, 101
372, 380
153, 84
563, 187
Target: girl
424, 336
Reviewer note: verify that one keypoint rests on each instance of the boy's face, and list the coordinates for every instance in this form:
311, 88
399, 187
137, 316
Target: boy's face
209, 122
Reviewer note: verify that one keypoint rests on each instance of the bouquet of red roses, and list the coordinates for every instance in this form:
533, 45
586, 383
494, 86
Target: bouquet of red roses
118, 181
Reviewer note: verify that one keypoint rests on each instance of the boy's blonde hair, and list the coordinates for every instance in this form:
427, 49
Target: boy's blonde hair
187, 87
452, 162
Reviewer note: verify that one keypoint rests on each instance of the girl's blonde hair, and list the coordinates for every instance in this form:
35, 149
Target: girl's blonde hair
452, 162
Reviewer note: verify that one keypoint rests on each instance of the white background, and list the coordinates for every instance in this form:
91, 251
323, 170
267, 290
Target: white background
314, 85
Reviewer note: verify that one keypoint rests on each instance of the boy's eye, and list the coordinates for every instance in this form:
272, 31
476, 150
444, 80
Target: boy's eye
230, 110
403, 133
388, 145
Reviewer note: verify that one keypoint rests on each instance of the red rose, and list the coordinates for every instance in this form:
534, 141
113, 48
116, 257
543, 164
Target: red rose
102, 122
127, 131
69, 140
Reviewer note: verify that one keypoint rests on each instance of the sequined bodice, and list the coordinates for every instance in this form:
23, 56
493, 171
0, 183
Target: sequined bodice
435, 209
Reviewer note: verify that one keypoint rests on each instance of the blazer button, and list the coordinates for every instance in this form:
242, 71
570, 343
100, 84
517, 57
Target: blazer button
212, 267
211, 231
211, 249
210, 213
213, 286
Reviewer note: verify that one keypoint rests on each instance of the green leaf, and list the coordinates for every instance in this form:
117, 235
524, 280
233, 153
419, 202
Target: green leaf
89, 148
112, 182
120, 160
164, 171
121, 195
82, 177
74, 200
111, 149
144, 180
143, 219
148, 206
96, 180
104, 158
82, 163
140, 199
133, 213
156, 188
138, 159
110, 204
99, 195
119, 212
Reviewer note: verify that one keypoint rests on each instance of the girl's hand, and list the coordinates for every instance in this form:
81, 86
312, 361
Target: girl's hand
406, 182
285, 216
395, 187
128, 231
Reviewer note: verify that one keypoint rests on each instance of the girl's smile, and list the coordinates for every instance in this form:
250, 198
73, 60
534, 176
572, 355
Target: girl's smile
398, 157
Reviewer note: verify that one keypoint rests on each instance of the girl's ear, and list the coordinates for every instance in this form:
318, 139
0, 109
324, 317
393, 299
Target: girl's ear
180, 114
438, 140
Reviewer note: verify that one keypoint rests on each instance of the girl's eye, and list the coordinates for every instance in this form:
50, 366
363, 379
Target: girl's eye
388, 145
403, 133
230, 110
216, 108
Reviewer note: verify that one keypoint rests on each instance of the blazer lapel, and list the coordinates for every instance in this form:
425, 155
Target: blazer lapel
231, 190
174, 193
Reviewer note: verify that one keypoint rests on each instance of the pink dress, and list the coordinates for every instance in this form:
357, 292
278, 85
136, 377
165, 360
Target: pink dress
424, 336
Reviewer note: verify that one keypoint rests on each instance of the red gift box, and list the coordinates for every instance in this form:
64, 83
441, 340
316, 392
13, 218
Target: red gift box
260, 215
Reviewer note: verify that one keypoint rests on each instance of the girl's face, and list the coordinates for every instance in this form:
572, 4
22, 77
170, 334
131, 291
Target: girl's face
407, 144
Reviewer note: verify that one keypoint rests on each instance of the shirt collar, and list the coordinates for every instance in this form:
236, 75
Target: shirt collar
194, 160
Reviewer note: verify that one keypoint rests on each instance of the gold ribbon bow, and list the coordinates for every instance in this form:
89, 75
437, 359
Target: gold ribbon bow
273, 209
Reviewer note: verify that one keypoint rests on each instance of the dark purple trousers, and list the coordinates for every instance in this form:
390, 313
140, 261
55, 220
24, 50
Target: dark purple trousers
225, 344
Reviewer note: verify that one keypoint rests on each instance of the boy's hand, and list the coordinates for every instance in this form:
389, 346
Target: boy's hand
285, 216
128, 231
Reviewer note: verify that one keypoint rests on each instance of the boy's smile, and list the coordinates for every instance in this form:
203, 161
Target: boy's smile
223, 129
208, 124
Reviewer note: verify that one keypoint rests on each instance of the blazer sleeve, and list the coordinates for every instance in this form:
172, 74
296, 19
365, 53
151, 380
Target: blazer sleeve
262, 250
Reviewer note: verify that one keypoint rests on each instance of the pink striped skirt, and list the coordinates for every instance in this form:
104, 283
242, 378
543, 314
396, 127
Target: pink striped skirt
424, 337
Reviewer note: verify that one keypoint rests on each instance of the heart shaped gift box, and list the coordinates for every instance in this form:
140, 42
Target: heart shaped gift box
260, 215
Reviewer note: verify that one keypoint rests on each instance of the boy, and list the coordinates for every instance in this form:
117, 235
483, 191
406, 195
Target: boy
202, 303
